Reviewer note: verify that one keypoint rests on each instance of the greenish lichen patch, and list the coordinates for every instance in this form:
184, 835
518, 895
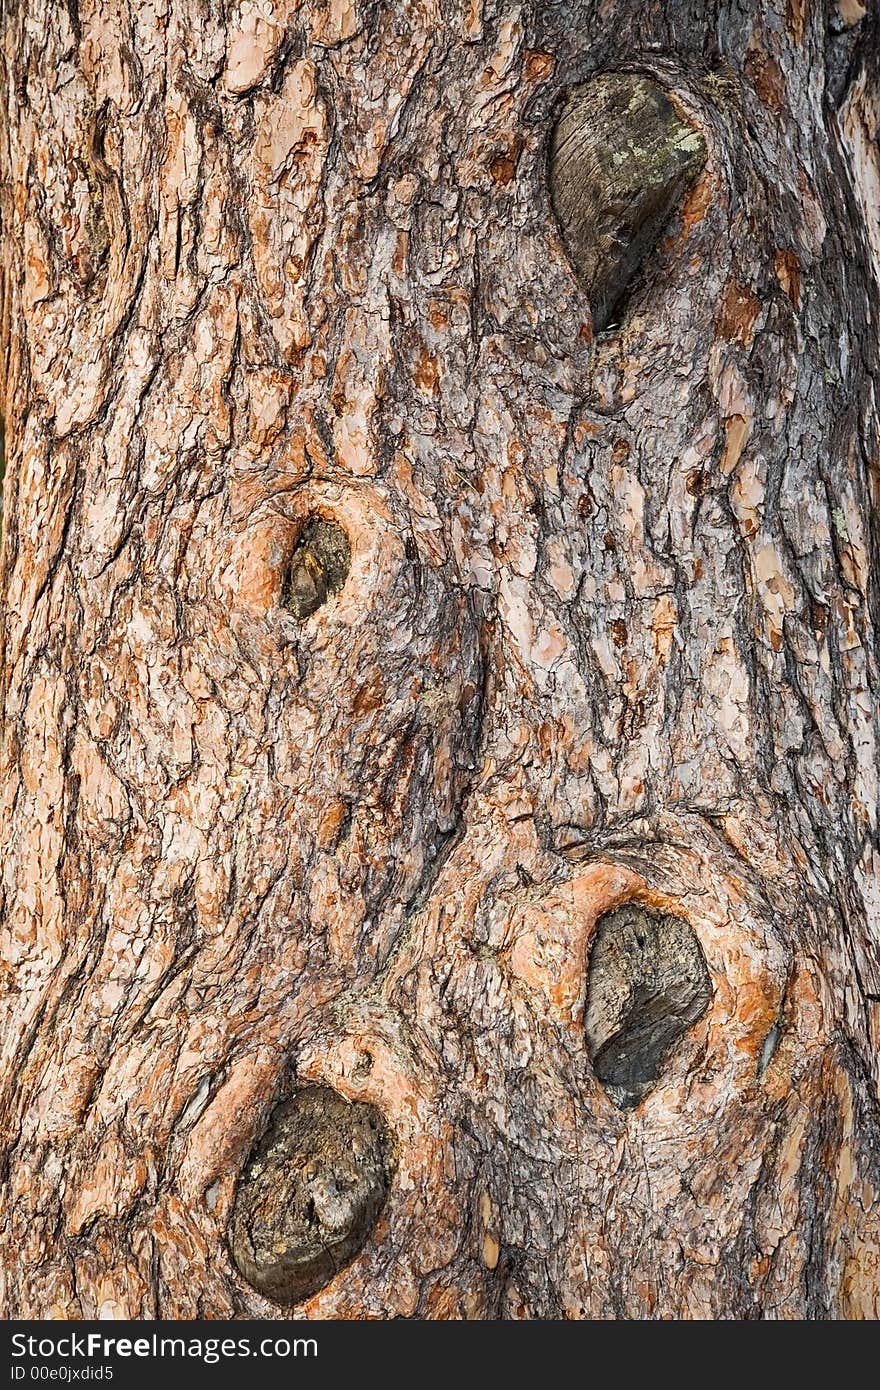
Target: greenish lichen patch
621, 161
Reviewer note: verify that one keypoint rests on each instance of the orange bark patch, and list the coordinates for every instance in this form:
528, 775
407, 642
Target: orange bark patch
795, 17
110, 1189
538, 66
697, 202
738, 314
335, 21
788, 269
504, 159
426, 376
253, 43
766, 78
437, 314
369, 697
269, 396
256, 563
401, 251
502, 170
861, 1282
756, 1010
663, 627
330, 823
737, 428
443, 1304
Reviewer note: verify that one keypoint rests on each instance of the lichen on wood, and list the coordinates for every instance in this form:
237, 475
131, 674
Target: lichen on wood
621, 159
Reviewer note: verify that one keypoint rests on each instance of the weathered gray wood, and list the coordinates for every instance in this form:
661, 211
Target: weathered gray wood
318, 567
621, 160
309, 1195
647, 984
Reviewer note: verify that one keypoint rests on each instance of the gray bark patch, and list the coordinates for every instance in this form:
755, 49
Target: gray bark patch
318, 567
621, 161
648, 984
768, 1048
310, 1193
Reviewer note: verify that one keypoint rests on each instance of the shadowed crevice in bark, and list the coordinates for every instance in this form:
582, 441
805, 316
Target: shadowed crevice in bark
621, 160
648, 984
310, 1193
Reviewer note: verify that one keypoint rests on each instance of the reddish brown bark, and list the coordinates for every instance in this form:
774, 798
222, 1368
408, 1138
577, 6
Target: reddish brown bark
608, 636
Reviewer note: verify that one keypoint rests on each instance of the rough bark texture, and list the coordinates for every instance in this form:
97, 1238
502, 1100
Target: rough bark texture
608, 636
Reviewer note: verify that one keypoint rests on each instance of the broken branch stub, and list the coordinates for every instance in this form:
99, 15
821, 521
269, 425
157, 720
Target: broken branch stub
647, 985
310, 1193
621, 160
318, 567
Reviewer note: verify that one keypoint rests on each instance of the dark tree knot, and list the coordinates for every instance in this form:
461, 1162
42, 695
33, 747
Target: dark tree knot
621, 160
310, 1193
647, 985
318, 566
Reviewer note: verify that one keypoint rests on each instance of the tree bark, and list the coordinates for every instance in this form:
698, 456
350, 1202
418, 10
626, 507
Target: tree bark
604, 637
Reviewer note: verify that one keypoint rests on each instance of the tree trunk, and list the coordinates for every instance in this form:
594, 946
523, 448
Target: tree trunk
376, 629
